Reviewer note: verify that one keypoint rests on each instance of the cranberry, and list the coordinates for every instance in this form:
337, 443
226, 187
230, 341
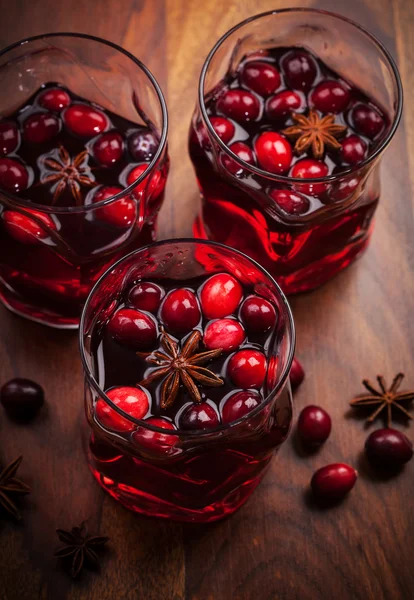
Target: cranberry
153, 440
220, 296
180, 311
273, 152
26, 230
309, 168
226, 334
143, 145
333, 481
133, 401
9, 137
239, 105
239, 404
14, 177
84, 120
291, 203
258, 314
388, 448
353, 150
344, 188
223, 127
155, 185
41, 128
133, 328
146, 296
367, 120
108, 148
247, 368
300, 69
330, 97
199, 416
243, 152
22, 398
282, 104
261, 77
54, 99
120, 213
297, 374
314, 425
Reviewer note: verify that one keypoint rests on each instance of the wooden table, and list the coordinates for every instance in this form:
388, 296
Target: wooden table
360, 324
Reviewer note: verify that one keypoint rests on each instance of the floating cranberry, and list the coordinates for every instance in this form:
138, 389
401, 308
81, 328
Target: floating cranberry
258, 314
153, 184
239, 105
297, 374
220, 296
330, 97
261, 77
146, 296
309, 168
199, 416
314, 425
282, 104
300, 69
14, 176
108, 148
22, 398
226, 334
333, 481
54, 99
243, 152
120, 213
9, 137
388, 448
239, 404
353, 150
344, 189
40, 128
153, 440
223, 127
143, 145
291, 203
84, 120
273, 152
133, 328
247, 368
367, 120
26, 230
133, 401
180, 311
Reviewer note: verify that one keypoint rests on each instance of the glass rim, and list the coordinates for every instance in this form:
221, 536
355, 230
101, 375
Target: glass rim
290, 326
285, 178
163, 138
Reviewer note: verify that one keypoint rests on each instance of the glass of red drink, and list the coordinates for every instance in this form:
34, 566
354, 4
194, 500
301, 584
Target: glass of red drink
187, 347
83, 166
295, 110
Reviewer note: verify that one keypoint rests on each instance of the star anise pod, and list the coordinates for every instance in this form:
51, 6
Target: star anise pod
181, 366
11, 486
385, 397
68, 173
80, 547
314, 132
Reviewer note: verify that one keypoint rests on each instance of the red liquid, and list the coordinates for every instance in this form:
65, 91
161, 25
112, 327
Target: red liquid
50, 260
305, 242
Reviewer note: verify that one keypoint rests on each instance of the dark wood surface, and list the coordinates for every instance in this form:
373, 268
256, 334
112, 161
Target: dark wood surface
278, 546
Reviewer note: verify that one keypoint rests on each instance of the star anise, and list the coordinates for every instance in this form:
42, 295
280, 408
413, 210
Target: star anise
69, 173
314, 132
80, 547
175, 366
385, 397
10, 486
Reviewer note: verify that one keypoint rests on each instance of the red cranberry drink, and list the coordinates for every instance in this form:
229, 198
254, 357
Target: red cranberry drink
191, 343
80, 183
286, 141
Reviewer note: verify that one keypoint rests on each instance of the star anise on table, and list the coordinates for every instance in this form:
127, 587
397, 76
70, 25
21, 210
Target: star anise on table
10, 486
314, 132
385, 397
181, 366
69, 173
80, 547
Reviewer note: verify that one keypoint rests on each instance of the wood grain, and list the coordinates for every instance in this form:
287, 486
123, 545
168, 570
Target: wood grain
278, 546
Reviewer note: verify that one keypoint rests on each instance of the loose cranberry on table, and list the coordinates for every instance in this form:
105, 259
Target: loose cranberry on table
333, 482
273, 152
40, 128
180, 311
247, 368
282, 104
330, 97
240, 105
300, 69
314, 425
388, 448
54, 99
220, 296
242, 151
291, 203
108, 148
133, 328
153, 440
309, 168
353, 150
84, 120
26, 230
226, 334
199, 416
143, 145
261, 77
120, 213
22, 398
133, 401
239, 404
146, 296
297, 374
9, 137
367, 120
224, 128
258, 314
14, 177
